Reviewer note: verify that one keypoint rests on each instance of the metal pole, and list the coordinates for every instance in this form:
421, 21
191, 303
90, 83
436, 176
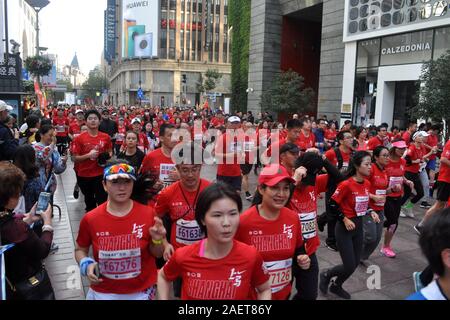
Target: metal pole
140, 100
6, 29
37, 32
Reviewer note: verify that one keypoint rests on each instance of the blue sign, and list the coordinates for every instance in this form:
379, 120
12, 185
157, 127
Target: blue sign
25, 75
140, 93
110, 31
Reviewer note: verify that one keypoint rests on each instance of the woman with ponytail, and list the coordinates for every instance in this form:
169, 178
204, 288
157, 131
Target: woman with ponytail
349, 203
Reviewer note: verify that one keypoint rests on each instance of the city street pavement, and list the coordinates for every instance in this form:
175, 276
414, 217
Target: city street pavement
394, 275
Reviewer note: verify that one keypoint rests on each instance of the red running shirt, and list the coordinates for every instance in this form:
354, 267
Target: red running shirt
395, 171
444, 171
304, 203
228, 166
159, 165
331, 156
276, 241
82, 145
61, 126
352, 197
379, 182
121, 248
230, 278
185, 229
306, 142
415, 153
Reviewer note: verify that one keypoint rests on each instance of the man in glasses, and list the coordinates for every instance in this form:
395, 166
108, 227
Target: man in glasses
178, 201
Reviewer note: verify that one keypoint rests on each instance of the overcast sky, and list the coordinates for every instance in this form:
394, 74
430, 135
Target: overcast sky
69, 26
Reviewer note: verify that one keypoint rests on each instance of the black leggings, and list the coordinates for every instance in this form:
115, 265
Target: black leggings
392, 210
94, 194
306, 281
414, 177
350, 245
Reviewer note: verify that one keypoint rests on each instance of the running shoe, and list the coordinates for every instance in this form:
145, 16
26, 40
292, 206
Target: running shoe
406, 213
418, 229
53, 248
248, 196
324, 282
76, 191
331, 246
425, 205
340, 292
417, 282
387, 252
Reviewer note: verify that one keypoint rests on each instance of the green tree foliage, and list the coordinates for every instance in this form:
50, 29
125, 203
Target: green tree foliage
66, 83
28, 85
38, 66
209, 81
288, 94
434, 97
239, 14
96, 82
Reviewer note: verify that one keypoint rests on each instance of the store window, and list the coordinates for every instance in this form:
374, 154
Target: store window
407, 48
441, 42
368, 53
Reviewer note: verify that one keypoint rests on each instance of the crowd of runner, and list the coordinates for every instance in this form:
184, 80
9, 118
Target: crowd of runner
154, 229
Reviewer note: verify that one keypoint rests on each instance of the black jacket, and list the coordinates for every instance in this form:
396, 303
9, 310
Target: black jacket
8, 145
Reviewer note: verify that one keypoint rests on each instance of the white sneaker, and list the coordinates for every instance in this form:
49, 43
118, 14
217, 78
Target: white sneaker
404, 213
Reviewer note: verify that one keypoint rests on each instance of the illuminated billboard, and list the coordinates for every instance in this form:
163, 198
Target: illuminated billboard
140, 26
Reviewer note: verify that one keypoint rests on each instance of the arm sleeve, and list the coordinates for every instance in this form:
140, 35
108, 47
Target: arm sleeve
335, 210
162, 204
84, 236
32, 245
260, 274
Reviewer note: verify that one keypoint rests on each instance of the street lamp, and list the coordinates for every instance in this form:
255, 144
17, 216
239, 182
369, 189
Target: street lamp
38, 5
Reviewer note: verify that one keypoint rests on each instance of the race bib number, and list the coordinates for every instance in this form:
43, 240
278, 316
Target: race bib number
361, 205
249, 146
60, 129
344, 165
122, 264
188, 232
395, 181
308, 222
198, 137
280, 273
380, 193
164, 171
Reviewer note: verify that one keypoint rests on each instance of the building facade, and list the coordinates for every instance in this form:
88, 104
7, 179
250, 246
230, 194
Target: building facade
22, 27
363, 58
302, 35
386, 45
192, 36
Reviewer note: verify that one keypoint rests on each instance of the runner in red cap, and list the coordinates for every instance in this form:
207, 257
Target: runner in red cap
395, 170
218, 267
274, 230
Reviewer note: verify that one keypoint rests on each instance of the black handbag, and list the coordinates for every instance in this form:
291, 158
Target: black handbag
38, 287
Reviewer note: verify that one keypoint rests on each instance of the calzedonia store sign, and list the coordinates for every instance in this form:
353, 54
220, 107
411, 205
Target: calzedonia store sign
374, 18
407, 48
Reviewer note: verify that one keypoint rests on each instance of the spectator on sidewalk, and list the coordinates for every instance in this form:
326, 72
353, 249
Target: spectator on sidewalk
8, 143
23, 261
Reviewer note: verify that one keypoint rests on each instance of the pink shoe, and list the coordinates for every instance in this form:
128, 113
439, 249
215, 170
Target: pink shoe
387, 252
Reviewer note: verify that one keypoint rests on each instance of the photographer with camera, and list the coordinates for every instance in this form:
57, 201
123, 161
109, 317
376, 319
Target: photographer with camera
90, 151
